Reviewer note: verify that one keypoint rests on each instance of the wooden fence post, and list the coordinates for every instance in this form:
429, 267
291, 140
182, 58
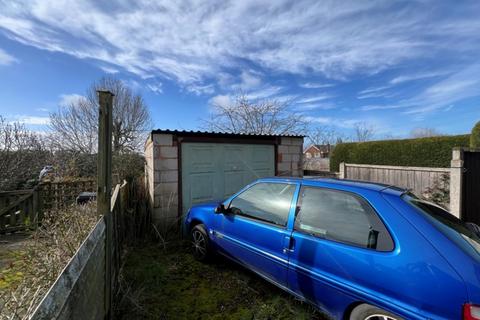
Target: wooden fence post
104, 186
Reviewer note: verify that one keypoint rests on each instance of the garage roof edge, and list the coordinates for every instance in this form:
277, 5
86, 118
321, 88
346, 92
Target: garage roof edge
220, 134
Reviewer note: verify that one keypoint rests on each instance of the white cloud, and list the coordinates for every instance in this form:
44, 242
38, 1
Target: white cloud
221, 100
195, 44
6, 59
69, 99
155, 87
461, 85
108, 69
31, 120
375, 92
416, 76
314, 85
316, 98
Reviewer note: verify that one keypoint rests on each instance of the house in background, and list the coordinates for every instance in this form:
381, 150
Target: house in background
317, 158
318, 151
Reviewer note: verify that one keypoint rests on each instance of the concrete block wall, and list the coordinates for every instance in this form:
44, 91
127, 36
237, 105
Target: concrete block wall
163, 179
289, 157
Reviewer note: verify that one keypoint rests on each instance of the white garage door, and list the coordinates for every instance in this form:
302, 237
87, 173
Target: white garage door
214, 171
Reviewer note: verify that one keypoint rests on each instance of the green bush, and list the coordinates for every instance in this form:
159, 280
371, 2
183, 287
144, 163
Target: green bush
475, 136
421, 152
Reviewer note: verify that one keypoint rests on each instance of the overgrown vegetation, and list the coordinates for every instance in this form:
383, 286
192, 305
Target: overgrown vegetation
475, 136
439, 192
170, 284
25, 280
421, 152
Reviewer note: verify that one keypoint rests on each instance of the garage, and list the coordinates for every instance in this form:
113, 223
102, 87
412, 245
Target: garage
184, 168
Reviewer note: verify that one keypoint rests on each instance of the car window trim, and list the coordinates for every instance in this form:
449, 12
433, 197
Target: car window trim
346, 243
260, 220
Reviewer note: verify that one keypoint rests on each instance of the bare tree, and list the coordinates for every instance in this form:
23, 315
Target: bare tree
22, 155
363, 131
326, 135
424, 132
256, 116
75, 126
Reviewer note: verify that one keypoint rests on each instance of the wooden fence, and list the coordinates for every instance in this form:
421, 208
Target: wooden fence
19, 210
23, 209
415, 179
60, 194
87, 285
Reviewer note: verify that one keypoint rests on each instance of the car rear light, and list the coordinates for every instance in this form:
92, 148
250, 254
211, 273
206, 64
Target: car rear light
471, 311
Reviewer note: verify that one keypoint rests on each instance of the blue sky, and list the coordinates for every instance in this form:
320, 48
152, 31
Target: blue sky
396, 65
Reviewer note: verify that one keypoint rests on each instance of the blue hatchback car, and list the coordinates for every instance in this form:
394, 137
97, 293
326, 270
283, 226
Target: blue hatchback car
355, 250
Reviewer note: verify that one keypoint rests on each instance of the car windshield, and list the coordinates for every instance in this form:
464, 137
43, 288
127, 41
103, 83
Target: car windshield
452, 227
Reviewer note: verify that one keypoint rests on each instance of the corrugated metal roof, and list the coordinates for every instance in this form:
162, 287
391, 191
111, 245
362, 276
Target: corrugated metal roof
220, 134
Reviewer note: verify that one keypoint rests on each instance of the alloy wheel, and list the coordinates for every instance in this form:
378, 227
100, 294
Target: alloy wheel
379, 317
199, 244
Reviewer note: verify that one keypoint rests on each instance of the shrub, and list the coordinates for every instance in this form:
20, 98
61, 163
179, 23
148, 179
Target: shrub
475, 136
26, 280
421, 152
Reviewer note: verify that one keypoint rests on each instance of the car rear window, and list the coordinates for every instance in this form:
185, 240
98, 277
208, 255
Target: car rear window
341, 216
452, 227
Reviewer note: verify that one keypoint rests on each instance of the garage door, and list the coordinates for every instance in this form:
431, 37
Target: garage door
213, 171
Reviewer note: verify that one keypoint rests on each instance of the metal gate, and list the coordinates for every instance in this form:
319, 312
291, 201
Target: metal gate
471, 186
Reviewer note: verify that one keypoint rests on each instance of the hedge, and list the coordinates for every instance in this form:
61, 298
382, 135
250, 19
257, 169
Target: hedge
420, 152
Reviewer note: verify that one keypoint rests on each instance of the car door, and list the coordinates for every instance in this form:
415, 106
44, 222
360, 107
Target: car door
338, 243
254, 228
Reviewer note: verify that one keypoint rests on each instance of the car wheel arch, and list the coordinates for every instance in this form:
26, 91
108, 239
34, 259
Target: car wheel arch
350, 308
194, 223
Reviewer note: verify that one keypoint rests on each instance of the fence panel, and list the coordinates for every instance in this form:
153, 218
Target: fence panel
86, 287
416, 179
60, 194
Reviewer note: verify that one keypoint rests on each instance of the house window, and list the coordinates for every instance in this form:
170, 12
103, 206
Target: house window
308, 155
317, 154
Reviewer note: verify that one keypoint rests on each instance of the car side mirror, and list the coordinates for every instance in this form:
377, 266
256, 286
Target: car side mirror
220, 208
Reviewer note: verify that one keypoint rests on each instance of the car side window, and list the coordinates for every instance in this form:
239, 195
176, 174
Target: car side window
267, 202
343, 217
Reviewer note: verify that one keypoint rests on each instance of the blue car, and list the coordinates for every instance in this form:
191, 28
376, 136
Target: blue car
355, 250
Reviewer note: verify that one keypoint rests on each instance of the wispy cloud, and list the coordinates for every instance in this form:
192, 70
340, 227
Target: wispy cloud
461, 85
6, 59
376, 92
316, 98
69, 99
417, 76
315, 85
155, 87
31, 120
335, 39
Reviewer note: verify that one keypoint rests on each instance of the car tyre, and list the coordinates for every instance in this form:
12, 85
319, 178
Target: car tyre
368, 312
200, 243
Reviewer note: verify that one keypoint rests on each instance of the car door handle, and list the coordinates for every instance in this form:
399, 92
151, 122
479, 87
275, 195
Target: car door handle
289, 244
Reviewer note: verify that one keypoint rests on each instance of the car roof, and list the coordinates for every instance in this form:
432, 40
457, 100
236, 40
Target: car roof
321, 181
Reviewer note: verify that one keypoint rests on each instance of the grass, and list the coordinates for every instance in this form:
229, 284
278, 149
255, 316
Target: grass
170, 284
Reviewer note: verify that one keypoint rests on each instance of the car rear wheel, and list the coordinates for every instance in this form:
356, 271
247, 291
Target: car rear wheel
200, 242
368, 312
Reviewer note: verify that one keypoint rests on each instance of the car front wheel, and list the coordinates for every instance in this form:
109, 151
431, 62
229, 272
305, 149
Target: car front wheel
200, 242
368, 312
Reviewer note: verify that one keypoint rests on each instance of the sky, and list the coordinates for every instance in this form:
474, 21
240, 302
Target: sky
396, 65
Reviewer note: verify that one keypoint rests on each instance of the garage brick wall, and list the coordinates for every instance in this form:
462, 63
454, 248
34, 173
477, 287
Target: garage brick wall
161, 171
289, 157
162, 178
